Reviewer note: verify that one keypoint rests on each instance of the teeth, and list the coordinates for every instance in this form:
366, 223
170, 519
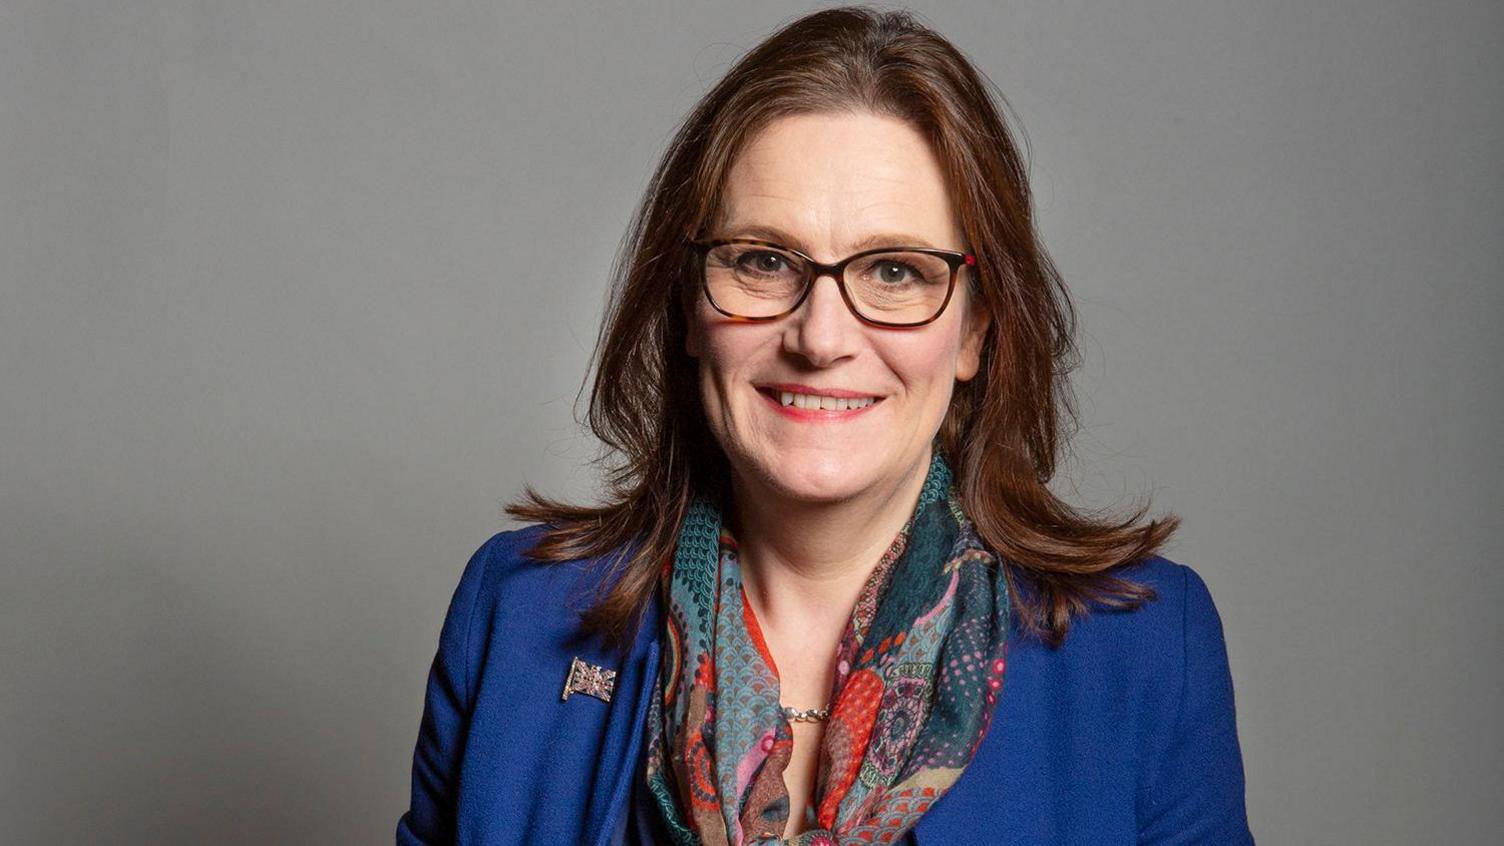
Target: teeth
813, 402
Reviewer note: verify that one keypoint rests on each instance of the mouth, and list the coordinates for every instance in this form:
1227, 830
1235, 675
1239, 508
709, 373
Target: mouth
803, 402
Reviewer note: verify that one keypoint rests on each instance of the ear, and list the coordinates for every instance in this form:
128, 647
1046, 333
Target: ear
969, 361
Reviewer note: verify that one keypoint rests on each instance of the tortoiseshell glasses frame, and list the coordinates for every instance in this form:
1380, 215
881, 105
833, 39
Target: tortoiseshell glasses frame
812, 270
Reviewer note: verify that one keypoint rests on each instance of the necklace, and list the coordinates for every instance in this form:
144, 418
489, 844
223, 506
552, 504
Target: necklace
808, 715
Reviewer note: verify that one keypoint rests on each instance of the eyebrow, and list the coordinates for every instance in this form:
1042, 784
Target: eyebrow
876, 239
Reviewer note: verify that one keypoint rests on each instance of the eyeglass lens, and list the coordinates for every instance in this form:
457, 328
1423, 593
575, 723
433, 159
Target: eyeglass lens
891, 287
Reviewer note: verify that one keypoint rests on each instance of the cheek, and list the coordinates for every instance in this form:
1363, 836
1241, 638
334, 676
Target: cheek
927, 367
718, 359
726, 358
729, 352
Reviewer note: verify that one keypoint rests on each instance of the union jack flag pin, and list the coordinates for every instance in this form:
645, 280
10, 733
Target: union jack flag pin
589, 680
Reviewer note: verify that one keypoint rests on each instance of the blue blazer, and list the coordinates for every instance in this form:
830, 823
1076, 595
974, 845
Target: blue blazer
1125, 734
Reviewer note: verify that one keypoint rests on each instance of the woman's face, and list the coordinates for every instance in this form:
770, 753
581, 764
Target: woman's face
829, 185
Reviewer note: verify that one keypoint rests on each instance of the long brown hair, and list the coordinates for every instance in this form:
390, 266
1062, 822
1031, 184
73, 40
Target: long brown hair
1005, 428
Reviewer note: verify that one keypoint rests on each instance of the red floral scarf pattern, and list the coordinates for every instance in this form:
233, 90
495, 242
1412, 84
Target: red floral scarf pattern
918, 672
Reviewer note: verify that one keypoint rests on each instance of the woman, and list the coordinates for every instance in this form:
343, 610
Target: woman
834, 600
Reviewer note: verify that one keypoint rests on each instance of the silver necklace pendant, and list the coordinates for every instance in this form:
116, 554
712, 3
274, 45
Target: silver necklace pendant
809, 715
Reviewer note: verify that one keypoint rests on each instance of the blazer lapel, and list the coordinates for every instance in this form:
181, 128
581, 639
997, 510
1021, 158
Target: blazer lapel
636, 684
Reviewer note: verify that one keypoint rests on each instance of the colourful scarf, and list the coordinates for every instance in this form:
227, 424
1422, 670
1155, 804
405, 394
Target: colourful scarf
918, 670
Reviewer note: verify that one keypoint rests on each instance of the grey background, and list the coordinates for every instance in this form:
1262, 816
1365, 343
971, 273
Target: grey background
293, 295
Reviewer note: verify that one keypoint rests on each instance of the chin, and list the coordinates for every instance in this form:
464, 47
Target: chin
826, 479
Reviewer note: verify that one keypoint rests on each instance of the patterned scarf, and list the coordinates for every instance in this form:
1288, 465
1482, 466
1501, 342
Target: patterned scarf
918, 670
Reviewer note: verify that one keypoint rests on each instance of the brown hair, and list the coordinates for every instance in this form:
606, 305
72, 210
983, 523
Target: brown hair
1003, 431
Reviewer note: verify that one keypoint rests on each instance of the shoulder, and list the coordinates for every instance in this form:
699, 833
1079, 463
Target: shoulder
502, 565
1142, 664
1128, 725
1180, 608
502, 579
1189, 770
506, 596
1182, 624
493, 698
1179, 636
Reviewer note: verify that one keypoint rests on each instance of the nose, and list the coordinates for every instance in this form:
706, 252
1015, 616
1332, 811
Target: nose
822, 330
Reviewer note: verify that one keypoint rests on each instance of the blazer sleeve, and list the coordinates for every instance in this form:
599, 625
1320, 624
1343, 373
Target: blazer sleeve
1196, 795
447, 704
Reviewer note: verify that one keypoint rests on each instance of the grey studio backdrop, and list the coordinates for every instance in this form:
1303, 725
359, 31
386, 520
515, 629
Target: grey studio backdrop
293, 296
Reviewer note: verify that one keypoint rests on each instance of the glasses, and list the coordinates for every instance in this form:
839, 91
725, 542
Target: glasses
747, 279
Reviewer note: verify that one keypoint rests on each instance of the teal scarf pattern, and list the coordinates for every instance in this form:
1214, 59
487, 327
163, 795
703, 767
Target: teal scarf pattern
919, 669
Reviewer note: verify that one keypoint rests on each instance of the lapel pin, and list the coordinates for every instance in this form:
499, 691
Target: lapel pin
589, 680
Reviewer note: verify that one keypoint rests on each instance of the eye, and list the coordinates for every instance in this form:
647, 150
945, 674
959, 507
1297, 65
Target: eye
763, 261
893, 272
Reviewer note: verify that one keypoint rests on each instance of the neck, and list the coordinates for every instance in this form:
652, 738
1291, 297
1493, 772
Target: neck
804, 564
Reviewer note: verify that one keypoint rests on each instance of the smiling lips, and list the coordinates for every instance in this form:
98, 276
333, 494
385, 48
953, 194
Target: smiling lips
803, 402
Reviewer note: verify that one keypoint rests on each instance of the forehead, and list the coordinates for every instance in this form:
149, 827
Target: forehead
829, 181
